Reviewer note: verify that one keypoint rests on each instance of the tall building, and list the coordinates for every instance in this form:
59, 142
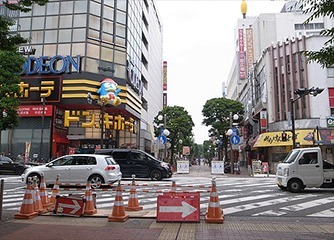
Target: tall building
74, 48
269, 67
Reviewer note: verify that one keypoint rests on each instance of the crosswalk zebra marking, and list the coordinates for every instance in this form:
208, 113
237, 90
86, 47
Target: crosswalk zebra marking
325, 213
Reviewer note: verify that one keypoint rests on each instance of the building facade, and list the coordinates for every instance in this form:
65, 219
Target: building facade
74, 46
269, 67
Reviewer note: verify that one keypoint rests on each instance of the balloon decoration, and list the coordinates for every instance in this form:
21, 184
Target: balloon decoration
109, 91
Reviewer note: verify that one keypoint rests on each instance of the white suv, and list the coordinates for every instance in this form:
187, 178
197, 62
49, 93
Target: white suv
77, 168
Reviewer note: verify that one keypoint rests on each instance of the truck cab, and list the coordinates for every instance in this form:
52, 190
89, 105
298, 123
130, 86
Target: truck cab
304, 167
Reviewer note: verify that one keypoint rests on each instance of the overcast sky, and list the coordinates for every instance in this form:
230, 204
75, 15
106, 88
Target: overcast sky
198, 44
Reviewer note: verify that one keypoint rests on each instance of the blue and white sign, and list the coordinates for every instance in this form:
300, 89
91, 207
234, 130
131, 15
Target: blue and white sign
235, 139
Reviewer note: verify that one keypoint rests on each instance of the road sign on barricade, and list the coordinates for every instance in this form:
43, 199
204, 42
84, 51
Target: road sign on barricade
182, 166
69, 206
178, 207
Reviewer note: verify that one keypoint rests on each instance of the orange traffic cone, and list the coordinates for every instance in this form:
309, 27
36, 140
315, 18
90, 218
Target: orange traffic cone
90, 205
118, 211
55, 192
27, 207
44, 195
214, 212
133, 204
173, 188
38, 206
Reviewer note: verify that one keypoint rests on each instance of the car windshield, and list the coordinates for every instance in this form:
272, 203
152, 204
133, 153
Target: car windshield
291, 157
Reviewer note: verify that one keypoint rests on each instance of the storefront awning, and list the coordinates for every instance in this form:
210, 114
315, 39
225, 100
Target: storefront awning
274, 139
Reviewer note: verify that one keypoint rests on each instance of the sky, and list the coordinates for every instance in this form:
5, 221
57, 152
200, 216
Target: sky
198, 45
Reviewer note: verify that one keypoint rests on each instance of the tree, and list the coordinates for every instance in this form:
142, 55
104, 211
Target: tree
217, 113
24, 5
10, 66
317, 8
179, 123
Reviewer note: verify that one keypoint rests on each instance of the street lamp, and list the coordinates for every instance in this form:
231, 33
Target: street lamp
230, 133
95, 102
42, 131
164, 134
302, 92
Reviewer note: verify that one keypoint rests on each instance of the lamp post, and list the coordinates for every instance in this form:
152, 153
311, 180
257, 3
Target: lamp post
230, 133
42, 130
164, 134
302, 92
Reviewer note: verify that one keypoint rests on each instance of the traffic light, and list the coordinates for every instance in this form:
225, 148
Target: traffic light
284, 137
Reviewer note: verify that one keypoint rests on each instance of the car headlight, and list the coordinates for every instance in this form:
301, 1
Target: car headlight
164, 165
286, 172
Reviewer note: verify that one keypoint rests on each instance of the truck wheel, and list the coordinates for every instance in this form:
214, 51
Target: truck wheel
295, 185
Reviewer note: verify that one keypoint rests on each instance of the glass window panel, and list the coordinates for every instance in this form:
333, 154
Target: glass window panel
64, 49
51, 36
120, 30
80, 7
24, 24
120, 71
38, 23
93, 34
38, 10
50, 50
108, 13
95, 8
65, 35
25, 14
108, 26
93, 51
39, 50
94, 22
79, 35
52, 8
65, 21
51, 22
91, 66
120, 41
107, 37
109, 2
120, 57
80, 20
66, 7
121, 17
37, 36
78, 49
121, 5
107, 54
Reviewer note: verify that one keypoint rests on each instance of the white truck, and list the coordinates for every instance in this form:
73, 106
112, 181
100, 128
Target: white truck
304, 168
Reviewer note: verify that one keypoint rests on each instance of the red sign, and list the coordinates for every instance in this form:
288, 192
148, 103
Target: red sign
69, 206
181, 207
35, 110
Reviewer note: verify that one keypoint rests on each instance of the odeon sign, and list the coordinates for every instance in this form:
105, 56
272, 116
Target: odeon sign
46, 65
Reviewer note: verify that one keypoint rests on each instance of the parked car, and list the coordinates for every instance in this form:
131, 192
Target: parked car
8, 166
77, 168
138, 163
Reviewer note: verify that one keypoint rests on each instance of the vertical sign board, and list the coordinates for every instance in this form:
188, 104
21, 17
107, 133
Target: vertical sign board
217, 167
179, 207
69, 206
182, 166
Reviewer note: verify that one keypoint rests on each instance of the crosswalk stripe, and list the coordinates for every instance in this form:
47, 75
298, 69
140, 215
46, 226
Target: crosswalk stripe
325, 213
310, 204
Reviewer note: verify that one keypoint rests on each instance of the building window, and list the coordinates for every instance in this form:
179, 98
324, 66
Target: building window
330, 72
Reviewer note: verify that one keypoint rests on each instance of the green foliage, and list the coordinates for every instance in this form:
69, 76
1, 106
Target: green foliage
178, 122
319, 8
25, 5
11, 65
216, 113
